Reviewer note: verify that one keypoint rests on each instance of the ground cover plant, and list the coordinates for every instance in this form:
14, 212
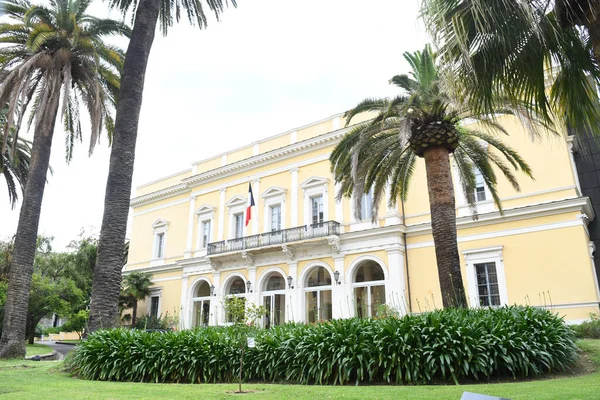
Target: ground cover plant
445, 345
588, 329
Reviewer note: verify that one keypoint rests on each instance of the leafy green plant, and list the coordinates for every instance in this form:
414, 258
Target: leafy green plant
588, 329
162, 322
446, 345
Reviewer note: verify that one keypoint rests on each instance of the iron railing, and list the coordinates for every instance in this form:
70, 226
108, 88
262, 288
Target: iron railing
296, 234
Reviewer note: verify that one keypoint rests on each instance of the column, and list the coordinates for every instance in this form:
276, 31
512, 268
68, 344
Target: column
216, 299
256, 212
222, 212
339, 291
292, 312
184, 311
392, 216
190, 232
294, 197
253, 297
395, 287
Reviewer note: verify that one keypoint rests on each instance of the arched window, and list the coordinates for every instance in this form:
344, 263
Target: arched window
369, 289
317, 296
274, 300
201, 301
236, 291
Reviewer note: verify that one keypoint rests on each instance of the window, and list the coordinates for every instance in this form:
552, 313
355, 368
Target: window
317, 209
276, 217
369, 289
318, 295
479, 191
201, 302
205, 233
487, 284
160, 245
366, 205
237, 288
154, 301
238, 225
274, 300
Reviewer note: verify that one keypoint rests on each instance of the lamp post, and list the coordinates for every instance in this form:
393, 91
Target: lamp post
248, 285
336, 276
212, 290
290, 279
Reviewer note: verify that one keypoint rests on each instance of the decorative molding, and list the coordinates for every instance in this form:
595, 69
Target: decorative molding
159, 194
334, 242
274, 191
214, 263
314, 181
159, 223
205, 209
288, 251
248, 257
237, 201
164, 178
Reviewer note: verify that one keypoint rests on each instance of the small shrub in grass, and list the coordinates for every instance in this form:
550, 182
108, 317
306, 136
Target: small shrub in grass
442, 345
588, 329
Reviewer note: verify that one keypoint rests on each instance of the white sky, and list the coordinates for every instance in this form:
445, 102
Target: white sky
267, 67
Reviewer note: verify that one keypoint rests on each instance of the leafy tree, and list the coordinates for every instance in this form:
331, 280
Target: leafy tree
77, 322
137, 287
425, 123
508, 49
107, 278
51, 53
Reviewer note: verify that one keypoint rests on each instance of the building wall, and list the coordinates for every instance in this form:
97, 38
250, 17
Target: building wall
539, 245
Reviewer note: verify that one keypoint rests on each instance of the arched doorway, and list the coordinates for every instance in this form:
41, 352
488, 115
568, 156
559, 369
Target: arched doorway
317, 295
201, 301
274, 300
235, 289
369, 289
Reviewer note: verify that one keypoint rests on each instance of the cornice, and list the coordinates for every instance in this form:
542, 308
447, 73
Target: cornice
159, 194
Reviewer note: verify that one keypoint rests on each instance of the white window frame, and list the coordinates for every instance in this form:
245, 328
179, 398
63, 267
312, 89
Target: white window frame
155, 292
462, 205
227, 287
160, 226
480, 256
305, 289
237, 205
314, 187
368, 285
204, 214
272, 197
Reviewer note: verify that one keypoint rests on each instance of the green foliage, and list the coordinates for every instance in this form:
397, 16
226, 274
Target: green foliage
77, 322
443, 345
166, 322
386, 311
238, 312
588, 329
136, 287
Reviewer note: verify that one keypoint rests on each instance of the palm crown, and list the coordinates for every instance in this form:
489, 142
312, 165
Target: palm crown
384, 150
55, 52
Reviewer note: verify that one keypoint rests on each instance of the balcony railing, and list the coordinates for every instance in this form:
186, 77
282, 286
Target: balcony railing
290, 235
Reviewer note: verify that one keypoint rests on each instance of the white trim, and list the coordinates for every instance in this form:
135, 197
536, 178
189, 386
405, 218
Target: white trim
221, 229
480, 256
311, 188
353, 267
190, 231
571, 305
172, 278
304, 274
571, 143
159, 195
164, 178
159, 227
161, 207
294, 196
159, 223
155, 292
153, 269
237, 201
508, 232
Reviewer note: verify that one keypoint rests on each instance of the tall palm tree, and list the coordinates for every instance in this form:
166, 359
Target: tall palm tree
517, 49
104, 310
137, 287
424, 122
15, 171
51, 53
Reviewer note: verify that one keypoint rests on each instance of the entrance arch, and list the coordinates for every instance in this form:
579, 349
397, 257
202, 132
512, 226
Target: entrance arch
368, 283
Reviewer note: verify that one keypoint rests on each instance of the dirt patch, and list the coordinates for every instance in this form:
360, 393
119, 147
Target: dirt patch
243, 391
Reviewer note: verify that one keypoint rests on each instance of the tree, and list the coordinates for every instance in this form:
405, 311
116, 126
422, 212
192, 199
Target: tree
15, 171
51, 52
77, 322
543, 53
107, 277
137, 287
423, 123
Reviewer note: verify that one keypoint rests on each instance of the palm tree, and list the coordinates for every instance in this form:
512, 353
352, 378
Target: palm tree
423, 123
137, 287
15, 172
104, 310
518, 49
50, 53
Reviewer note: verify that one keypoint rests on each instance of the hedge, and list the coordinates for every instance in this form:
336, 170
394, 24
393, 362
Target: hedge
447, 345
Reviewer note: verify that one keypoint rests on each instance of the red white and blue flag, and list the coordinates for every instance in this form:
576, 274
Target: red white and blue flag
250, 204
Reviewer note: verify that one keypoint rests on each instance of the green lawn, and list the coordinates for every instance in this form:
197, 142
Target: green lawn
37, 349
43, 380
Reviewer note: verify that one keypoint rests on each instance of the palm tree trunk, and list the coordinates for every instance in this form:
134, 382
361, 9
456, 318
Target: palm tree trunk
12, 343
594, 32
104, 312
443, 225
134, 313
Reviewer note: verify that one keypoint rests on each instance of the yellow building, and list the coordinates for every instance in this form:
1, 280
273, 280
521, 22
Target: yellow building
305, 257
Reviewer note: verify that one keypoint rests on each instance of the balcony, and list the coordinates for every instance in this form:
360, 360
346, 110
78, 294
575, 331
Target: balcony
284, 236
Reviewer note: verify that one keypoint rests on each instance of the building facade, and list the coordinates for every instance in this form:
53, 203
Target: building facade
305, 257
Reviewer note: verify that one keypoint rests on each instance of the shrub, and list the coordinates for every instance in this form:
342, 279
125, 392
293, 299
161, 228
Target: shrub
442, 345
166, 322
588, 329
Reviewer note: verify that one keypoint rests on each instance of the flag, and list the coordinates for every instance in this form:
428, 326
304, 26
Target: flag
250, 204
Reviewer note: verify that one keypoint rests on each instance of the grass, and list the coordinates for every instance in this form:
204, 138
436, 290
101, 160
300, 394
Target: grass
25, 380
37, 349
